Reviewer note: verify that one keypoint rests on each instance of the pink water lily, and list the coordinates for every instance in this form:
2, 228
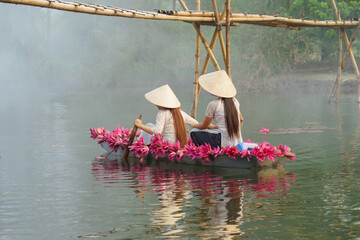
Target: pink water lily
247, 154
117, 130
259, 154
104, 136
264, 130
158, 146
207, 154
139, 148
291, 156
121, 132
265, 150
191, 150
230, 151
95, 132
286, 151
117, 141
176, 152
120, 138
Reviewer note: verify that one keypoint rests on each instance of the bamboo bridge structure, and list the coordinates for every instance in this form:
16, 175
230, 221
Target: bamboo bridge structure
218, 20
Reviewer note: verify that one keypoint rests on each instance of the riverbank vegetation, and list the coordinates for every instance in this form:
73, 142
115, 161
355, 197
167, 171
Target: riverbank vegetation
76, 50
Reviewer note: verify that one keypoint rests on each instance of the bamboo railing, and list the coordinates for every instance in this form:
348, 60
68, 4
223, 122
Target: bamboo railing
188, 16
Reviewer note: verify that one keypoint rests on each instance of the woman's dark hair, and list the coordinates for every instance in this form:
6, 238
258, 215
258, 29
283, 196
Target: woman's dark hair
231, 117
179, 125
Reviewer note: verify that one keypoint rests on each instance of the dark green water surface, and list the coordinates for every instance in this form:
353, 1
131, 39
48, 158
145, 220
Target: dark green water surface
52, 187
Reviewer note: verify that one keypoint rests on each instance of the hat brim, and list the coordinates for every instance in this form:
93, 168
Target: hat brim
163, 97
218, 83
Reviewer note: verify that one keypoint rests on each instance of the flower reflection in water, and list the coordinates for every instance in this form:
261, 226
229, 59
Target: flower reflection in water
191, 201
271, 182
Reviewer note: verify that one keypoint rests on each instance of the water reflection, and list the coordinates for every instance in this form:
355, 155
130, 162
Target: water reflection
340, 189
273, 182
190, 200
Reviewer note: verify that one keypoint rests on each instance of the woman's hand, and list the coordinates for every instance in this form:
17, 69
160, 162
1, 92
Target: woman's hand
212, 126
205, 124
138, 123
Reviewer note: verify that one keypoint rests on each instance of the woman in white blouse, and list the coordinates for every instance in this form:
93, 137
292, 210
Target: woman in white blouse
170, 120
225, 111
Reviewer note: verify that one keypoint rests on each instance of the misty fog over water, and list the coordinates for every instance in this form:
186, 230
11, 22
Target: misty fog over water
63, 49
62, 74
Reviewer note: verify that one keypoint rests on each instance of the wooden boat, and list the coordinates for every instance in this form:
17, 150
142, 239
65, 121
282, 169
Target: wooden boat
220, 160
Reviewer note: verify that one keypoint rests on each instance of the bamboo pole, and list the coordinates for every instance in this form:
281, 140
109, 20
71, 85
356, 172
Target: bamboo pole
222, 45
209, 14
206, 45
197, 64
104, 10
296, 22
352, 57
280, 25
207, 59
216, 13
183, 5
337, 13
348, 50
228, 38
259, 17
223, 23
212, 43
340, 69
338, 77
218, 27
217, 33
97, 9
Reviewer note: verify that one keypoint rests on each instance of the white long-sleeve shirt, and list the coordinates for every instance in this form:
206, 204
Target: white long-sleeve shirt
216, 111
165, 124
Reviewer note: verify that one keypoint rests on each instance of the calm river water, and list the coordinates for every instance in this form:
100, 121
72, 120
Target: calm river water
52, 187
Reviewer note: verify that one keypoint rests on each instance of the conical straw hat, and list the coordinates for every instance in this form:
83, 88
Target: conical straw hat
218, 83
163, 97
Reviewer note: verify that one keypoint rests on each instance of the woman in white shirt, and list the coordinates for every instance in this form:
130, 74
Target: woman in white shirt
225, 111
170, 120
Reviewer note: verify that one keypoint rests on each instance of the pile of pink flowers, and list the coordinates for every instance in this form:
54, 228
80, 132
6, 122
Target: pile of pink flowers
160, 148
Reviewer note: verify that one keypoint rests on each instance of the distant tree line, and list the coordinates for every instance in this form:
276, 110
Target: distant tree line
78, 50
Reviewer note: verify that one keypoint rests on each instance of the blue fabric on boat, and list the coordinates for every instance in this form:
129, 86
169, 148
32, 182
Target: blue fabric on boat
241, 147
202, 137
245, 146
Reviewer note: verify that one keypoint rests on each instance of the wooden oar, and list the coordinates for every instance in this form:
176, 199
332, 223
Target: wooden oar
131, 139
106, 155
109, 153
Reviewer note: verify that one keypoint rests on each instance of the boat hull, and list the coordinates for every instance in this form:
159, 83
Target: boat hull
220, 160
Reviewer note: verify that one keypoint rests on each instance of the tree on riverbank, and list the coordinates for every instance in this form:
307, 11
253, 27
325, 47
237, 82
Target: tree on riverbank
80, 50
